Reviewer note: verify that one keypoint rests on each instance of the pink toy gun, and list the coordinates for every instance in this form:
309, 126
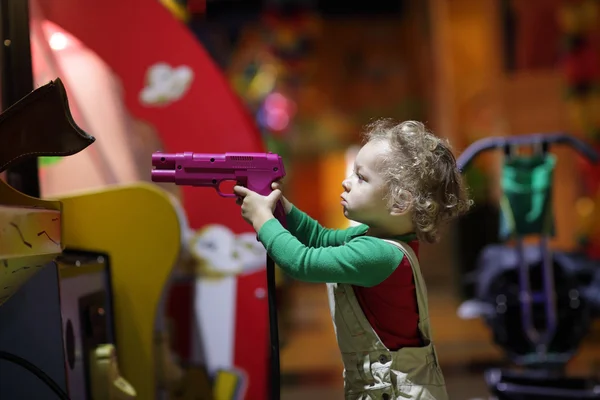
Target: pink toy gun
256, 171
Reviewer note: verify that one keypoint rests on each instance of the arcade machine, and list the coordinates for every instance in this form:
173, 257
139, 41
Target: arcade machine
56, 335
74, 283
32, 361
42, 285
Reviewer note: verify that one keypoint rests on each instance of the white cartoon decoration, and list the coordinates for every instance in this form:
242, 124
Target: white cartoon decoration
219, 252
165, 84
220, 258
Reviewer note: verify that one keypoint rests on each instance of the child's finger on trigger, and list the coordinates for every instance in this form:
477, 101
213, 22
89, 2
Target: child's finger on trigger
240, 190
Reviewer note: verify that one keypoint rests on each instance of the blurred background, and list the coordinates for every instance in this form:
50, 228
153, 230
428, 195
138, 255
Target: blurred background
309, 74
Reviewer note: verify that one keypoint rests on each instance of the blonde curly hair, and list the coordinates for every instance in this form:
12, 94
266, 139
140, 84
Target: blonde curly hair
421, 172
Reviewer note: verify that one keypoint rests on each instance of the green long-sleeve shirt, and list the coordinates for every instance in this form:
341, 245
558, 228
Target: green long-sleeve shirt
308, 252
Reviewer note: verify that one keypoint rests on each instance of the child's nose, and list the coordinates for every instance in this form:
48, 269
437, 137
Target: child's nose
346, 184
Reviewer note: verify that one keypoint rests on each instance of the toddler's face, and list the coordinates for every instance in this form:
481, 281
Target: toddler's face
364, 191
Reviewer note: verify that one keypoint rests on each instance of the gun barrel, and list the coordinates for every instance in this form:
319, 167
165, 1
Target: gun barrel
164, 160
163, 175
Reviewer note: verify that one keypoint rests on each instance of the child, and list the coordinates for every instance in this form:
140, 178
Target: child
404, 186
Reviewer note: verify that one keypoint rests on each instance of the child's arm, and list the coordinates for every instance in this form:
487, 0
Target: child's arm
363, 261
310, 233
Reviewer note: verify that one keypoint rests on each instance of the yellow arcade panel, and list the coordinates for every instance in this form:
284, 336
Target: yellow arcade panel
138, 226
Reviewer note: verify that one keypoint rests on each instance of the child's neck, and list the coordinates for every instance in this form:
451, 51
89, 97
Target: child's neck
400, 227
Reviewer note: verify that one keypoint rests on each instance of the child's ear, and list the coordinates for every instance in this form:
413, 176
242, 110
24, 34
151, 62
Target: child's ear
399, 210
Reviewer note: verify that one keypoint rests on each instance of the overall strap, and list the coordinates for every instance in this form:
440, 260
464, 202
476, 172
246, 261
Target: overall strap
420, 287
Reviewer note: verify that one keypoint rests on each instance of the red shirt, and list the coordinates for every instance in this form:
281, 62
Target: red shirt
391, 306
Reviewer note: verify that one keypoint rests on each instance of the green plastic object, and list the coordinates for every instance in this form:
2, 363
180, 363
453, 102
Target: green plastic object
526, 204
46, 161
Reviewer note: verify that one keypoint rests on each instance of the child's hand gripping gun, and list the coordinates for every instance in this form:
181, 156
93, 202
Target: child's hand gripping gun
256, 171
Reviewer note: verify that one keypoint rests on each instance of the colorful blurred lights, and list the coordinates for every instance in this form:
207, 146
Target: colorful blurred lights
277, 120
275, 101
277, 111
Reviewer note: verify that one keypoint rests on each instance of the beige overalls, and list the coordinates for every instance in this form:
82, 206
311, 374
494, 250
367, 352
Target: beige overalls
371, 371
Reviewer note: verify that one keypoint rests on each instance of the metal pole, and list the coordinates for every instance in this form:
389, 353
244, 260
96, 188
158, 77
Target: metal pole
275, 371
